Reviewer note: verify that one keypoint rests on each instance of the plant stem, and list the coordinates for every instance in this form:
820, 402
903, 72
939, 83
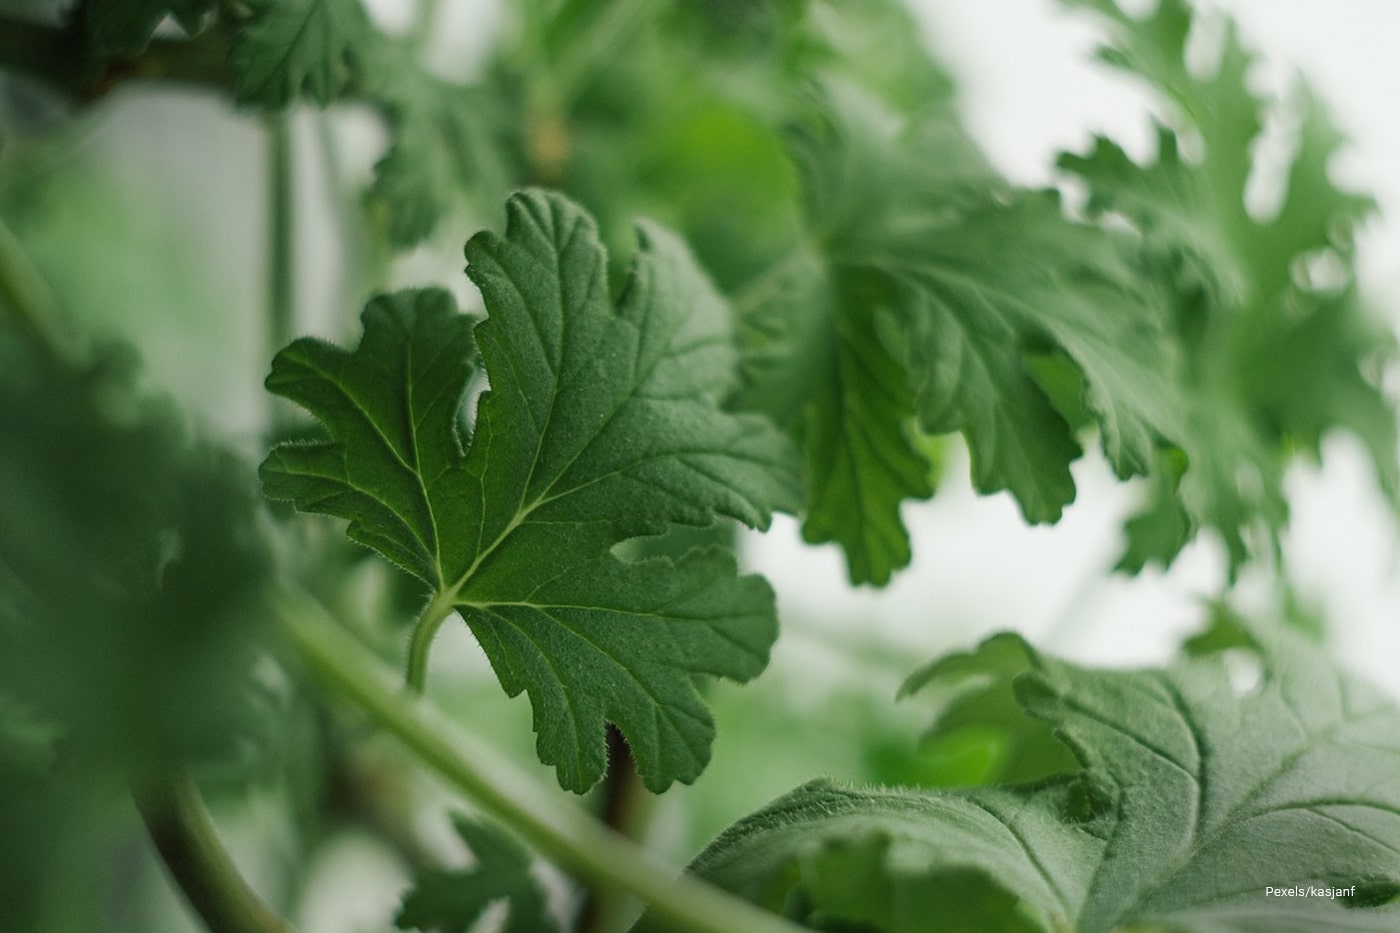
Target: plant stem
624, 800
565, 835
424, 631
280, 300
424, 19
189, 845
280, 233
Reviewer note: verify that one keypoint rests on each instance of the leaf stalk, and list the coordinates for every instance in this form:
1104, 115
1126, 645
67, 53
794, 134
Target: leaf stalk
188, 843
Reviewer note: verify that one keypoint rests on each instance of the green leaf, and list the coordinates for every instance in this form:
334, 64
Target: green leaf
939, 287
1193, 800
834, 383
452, 901
130, 563
293, 47
1275, 356
124, 27
602, 423
446, 139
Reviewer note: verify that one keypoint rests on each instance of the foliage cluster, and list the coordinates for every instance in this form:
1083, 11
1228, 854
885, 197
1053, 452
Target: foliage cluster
833, 284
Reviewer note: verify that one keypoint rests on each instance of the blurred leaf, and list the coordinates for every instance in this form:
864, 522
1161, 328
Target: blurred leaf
130, 561
445, 138
941, 286
127, 558
1277, 354
452, 901
980, 722
292, 47
122, 28
1191, 799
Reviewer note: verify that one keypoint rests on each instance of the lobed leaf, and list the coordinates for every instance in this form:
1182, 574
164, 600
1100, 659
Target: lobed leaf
1193, 800
1273, 358
453, 901
938, 287
602, 423
288, 48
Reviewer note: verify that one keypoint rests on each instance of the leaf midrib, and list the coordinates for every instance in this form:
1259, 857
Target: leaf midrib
1200, 837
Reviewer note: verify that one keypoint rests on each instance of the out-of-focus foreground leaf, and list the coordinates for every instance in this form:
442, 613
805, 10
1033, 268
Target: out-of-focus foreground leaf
129, 556
1278, 346
452, 901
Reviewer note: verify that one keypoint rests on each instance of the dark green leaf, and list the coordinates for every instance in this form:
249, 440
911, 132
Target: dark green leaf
129, 557
602, 423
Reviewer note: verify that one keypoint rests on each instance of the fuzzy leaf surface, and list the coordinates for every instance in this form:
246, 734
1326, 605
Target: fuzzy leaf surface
1193, 798
602, 423
452, 901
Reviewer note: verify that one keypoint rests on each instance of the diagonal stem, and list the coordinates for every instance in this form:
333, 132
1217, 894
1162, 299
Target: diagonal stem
189, 845
565, 835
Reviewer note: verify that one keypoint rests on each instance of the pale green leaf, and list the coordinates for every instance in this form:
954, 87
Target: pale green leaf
1276, 354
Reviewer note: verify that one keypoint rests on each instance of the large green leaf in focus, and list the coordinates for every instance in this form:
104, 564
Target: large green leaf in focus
1196, 795
602, 423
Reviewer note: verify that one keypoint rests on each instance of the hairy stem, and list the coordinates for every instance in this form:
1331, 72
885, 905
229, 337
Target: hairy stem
419, 647
565, 835
189, 845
